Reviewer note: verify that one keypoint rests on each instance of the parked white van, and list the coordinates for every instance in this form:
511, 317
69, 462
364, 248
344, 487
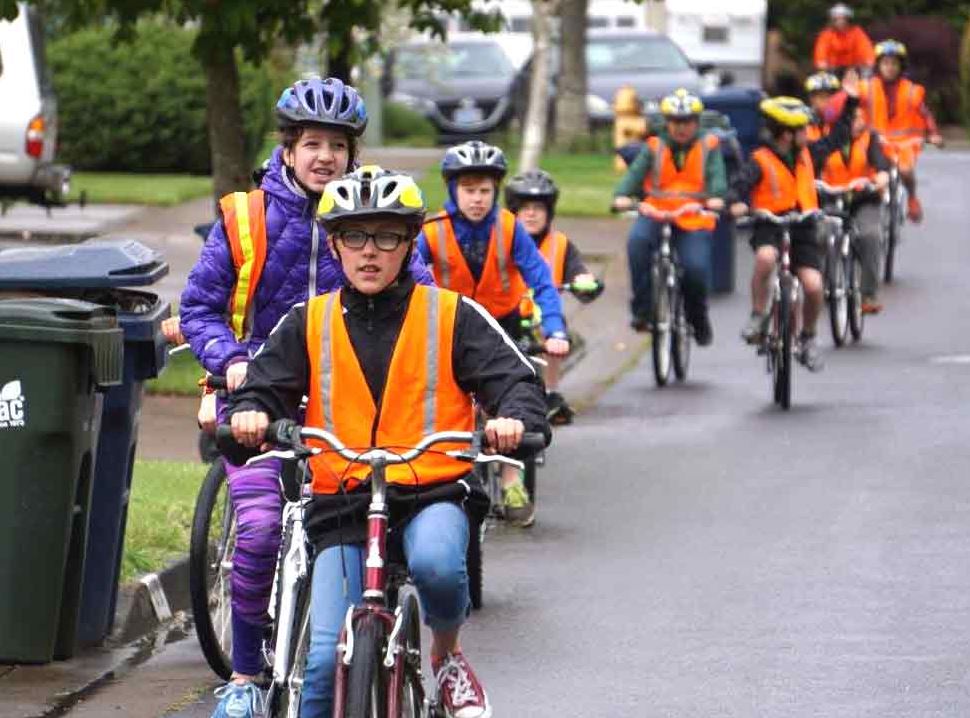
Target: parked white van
28, 115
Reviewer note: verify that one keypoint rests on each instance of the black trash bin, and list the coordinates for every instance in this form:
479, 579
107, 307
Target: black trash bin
55, 355
96, 271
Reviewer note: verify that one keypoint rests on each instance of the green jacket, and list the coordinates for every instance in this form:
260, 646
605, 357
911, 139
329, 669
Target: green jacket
715, 175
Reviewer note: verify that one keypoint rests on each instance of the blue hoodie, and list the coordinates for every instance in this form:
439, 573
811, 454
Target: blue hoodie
473, 238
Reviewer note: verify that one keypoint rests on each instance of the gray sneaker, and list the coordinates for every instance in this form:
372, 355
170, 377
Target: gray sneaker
755, 328
809, 355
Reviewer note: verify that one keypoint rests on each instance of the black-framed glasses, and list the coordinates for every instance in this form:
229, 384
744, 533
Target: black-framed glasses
384, 241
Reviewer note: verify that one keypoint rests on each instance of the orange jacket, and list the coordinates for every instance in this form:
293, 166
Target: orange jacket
244, 216
849, 48
500, 287
908, 119
779, 190
815, 132
668, 188
553, 250
837, 172
421, 394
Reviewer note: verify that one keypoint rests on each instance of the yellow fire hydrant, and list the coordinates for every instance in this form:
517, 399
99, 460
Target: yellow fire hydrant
629, 123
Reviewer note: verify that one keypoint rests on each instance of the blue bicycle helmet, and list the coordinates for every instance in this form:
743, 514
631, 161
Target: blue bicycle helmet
327, 102
474, 157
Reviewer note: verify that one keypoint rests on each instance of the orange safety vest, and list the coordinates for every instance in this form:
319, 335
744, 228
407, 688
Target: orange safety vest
779, 190
553, 250
671, 188
244, 216
815, 132
837, 172
907, 120
421, 394
500, 287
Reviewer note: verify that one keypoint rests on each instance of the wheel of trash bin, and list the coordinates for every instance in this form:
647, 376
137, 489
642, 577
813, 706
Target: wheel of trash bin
211, 551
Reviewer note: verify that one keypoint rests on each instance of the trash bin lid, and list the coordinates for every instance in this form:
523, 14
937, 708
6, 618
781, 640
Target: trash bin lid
95, 263
68, 321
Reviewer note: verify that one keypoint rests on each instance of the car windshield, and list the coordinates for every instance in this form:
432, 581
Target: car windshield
452, 62
632, 54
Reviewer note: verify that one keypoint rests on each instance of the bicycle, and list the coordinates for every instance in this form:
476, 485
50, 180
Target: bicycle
379, 650
843, 263
784, 302
669, 328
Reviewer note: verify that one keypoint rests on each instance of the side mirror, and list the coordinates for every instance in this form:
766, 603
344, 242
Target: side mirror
703, 67
727, 78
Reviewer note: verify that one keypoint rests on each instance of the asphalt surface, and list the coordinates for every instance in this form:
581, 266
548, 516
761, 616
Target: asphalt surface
701, 553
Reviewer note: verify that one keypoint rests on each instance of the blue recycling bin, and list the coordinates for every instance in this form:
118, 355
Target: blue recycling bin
740, 104
99, 271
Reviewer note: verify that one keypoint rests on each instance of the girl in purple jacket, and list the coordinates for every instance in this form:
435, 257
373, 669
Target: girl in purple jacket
320, 123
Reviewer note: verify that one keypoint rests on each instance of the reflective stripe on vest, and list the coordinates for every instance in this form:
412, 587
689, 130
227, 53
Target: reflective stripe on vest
670, 187
779, 190
553, 250
420, 396
836, 172
244, 217
501, 285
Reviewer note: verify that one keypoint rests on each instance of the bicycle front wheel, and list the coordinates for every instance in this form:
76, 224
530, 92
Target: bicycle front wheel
895, 227
680, 345
856, 317
284, 700
838, 298
661, 337
410, 689
475, 564
211, 549
367, 677
783, 347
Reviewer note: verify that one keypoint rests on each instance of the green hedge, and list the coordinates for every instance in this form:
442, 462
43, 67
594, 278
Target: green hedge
141, 105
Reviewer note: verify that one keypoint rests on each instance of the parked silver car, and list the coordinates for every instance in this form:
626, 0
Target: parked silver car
28, 115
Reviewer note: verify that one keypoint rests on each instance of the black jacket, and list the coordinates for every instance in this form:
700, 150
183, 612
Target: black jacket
485, 364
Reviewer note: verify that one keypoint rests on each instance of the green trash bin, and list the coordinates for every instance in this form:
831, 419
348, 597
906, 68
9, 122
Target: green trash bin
55, 356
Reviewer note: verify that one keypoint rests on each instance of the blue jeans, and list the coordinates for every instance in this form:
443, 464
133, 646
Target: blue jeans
435, 544
693, 250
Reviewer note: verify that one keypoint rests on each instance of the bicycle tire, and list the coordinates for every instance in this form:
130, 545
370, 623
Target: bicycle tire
838, 297
856, 317
284, 700
529, 478
660, 333
889, 263
474, 561
366, 677
680, 346
785, 328
411, 696
205, 570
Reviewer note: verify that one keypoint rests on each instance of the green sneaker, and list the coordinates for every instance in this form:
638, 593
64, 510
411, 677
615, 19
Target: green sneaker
518, 509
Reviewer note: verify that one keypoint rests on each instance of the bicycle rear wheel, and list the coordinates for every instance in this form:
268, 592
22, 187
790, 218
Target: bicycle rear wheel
837, 297
680, 346
783, 345
211, 549
367, 677
856, 317
661, 333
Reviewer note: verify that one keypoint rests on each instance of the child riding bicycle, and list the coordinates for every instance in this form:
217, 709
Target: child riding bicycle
265, 254
780, 178
532, 197
679, 166
896, 108
480, 250
361, 354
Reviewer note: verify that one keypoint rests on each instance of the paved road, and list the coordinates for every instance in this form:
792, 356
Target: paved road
699, 553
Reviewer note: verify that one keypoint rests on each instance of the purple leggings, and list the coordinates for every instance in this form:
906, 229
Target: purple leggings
255, 495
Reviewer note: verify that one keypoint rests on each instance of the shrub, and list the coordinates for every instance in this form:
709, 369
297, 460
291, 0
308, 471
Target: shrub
933, 48
141, 105
401, 123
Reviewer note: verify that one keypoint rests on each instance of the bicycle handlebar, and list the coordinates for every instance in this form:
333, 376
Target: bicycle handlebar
866, 185
665, 215
787, 219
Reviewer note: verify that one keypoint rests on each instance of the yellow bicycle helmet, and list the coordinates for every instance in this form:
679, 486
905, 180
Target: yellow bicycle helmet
681, 104
789, 112
822, 82
892, 48
371, 191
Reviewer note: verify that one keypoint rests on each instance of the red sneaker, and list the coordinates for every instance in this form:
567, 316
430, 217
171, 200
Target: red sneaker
871, 306
914, 209
460, 694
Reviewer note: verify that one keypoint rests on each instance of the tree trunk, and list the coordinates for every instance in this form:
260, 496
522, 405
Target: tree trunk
227, 139
534, 127
339, 60
572, 121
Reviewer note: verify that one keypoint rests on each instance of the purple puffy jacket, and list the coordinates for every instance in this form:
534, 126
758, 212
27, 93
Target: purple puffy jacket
298, 266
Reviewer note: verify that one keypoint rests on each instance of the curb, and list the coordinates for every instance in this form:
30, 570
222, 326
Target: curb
152, 601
